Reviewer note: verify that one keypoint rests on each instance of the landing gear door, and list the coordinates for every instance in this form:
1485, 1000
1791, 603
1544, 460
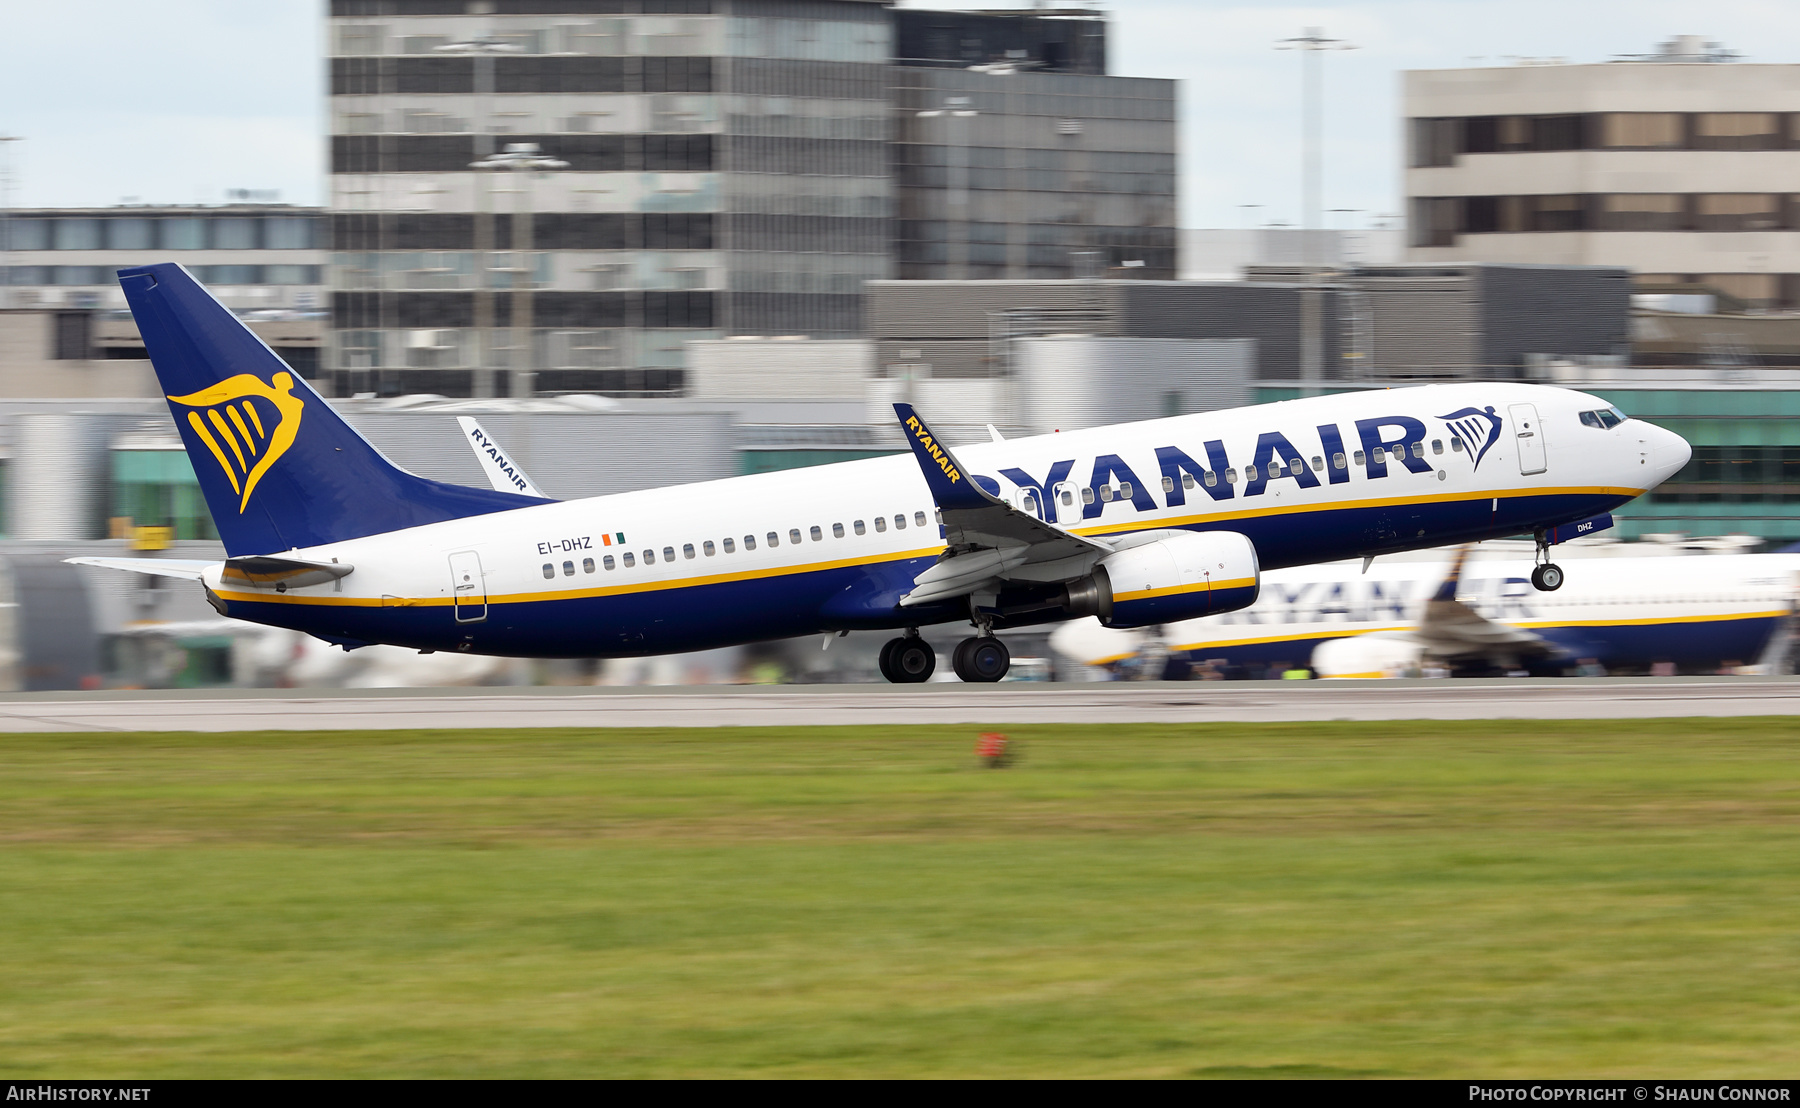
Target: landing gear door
1528, 436
468, 590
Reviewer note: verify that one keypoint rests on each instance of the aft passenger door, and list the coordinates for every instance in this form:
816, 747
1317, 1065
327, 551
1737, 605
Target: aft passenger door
468, 590
1528, 437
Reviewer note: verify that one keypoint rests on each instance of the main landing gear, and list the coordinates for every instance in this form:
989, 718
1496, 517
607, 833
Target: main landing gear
980, 659
1547, 576
908, 660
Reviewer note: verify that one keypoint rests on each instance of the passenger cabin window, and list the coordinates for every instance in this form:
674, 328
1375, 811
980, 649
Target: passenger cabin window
1068, 498
919, 518
669, 553
630, 559
818, 534
649, 557
1359, 457
568, 569
730, 547
549, 571
881, 523
1437, 446
607, 561
1318, 463
837, 530
774, 539
860, 529
1187, 481
1211, 478
1250, 472
1087, 495
587, 565
794, 534
1125, 489
1231, 477
749, 543
1337, 460
707, 548
687, 549
1418, 450
1106, 494
899, 523
1455, 445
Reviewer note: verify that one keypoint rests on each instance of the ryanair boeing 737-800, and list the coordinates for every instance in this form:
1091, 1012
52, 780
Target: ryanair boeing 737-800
1137, 524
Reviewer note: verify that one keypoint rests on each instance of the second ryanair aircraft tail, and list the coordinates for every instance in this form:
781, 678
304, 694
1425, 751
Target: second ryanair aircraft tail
278, 467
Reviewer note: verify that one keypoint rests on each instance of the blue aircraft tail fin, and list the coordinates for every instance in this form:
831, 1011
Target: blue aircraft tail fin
279, 469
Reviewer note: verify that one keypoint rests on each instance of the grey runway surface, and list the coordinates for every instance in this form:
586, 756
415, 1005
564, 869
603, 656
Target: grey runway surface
804, 705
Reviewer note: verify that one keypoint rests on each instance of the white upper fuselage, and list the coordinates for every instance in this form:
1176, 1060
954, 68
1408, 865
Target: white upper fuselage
554, 552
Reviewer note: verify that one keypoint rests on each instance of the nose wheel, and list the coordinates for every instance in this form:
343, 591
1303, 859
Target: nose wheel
1547, 577
907, 660
981, 660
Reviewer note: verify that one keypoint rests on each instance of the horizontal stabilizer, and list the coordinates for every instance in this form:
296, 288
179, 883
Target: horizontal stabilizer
281, 574
158, 567
501, 469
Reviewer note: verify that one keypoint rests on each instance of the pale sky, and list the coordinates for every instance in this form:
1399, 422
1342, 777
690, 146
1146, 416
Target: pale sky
178, 100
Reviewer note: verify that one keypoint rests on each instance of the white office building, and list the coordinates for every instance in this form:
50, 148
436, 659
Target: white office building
1682, 165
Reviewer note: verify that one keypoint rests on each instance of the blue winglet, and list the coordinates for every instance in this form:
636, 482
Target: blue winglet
949, 481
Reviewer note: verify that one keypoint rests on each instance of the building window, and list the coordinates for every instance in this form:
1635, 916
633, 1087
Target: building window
1737, 211
1737, 131
1642, 130
75, 234
1641, 211
157, 488
184, 233
236, 233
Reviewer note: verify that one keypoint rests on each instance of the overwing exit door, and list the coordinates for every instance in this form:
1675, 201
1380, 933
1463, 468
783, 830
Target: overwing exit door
468, 590
1528, 437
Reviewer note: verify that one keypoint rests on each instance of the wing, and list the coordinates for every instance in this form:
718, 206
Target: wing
989, 540
502, 471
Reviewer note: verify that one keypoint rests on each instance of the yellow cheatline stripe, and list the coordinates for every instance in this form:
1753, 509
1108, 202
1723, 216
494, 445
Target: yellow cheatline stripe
238, 422
1223, 644
250, 409
212, 445
1717, 618
225, 433
1343, 505
1146, 594
577, 594
1355, 677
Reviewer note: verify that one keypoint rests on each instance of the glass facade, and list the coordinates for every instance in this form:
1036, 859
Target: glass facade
1034, 175
157, 488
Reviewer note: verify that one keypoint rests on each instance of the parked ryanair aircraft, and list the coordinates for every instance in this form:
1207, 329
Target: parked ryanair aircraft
1138, 524
1696, 612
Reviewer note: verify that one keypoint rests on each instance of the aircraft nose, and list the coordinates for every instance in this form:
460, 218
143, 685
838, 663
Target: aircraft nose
1669, 452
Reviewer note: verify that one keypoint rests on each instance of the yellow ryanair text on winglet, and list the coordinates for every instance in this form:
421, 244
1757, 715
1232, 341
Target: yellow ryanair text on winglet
932, 448
231, 418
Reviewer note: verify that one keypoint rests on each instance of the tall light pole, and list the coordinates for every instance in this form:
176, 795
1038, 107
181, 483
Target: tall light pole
1311, 42
523, 158
484, 51
1312, 340
957, 107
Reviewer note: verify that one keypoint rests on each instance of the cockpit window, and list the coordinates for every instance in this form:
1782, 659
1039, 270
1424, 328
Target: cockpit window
1604, 419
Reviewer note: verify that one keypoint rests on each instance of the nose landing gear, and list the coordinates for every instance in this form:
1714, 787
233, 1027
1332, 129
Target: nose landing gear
1547, 576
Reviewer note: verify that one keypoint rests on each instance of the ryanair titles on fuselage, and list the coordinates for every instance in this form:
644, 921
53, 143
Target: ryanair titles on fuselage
1381, 439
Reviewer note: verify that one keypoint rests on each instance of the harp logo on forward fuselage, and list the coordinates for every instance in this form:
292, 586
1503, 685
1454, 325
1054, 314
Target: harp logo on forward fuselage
246, 426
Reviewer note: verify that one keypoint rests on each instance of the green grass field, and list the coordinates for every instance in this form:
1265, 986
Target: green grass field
1454, 899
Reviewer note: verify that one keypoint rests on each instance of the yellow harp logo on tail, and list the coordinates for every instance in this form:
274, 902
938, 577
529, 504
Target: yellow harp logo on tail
246, 425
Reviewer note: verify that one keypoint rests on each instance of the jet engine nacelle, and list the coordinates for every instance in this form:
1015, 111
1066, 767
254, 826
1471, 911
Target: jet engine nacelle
1180, 576
1380, 654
